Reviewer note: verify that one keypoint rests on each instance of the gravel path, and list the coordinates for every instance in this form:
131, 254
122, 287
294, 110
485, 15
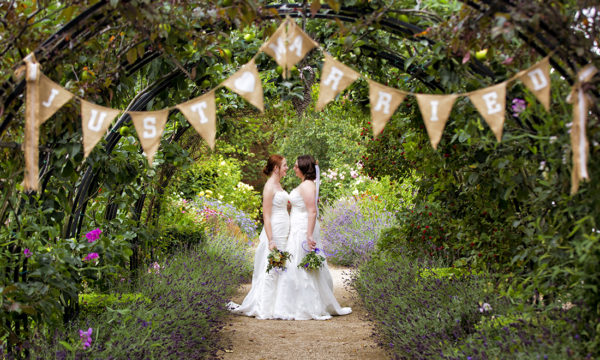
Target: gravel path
343, 337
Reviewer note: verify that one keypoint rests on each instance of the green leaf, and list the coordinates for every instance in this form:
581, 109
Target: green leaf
132, 55
64, 343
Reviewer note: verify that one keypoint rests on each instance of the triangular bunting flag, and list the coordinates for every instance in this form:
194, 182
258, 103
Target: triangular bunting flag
32, 124
52, 98
335, 78
246, 82
201, 113
384, 102
435, 110
490, 102
537, 80
95, 120
149, 126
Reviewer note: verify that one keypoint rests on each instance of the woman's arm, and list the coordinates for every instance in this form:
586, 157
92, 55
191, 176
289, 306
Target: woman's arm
308, 191
267, 206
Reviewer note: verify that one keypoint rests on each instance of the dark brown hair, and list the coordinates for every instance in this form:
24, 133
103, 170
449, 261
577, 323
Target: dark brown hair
273, 162
306, 165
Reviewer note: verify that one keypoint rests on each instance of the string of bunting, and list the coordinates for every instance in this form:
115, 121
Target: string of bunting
287, 46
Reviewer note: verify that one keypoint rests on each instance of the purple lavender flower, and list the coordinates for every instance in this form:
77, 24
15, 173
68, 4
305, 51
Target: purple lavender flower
518, 106
27, 253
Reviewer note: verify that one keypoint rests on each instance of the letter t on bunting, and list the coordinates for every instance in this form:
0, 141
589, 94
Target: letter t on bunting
435, 110
490, 102
384, 102
246, 83
149, 126
200, 112
335, 78
95, 120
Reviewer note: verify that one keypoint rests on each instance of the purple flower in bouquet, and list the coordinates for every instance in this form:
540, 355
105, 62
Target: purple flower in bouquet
27, 253
93, 235
86, 338
91, 256
518, 106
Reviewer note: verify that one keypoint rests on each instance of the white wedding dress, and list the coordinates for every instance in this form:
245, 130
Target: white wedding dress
301, 294
262, 301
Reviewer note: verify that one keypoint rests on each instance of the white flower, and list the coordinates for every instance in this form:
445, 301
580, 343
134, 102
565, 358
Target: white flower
341, 176
355, 192
354, 174
485, 308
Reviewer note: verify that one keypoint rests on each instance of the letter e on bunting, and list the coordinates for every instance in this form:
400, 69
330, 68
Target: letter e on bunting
490, 102
435, 110
95, 120
335, 78
384, 102
200, 112
149, 126
52, 98
537, 80
246, 83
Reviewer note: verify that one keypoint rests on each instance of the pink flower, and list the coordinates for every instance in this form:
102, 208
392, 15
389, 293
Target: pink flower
27, 253
86, 338
91, 256
93, 235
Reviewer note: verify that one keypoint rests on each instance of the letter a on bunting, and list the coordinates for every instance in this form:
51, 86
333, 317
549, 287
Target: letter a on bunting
335, 78
95, 120
149, 126
384, 102
246, 83
490, 103
200, 112
435, 110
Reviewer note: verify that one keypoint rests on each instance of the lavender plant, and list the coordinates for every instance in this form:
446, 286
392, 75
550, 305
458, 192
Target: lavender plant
351, 227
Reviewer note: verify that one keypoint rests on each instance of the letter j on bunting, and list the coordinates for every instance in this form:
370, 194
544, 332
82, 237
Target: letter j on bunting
95, 120
384, 102
435, 110
200, 112
149, 126
246, 83
335, 78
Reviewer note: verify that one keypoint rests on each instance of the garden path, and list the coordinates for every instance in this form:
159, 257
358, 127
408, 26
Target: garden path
343, 337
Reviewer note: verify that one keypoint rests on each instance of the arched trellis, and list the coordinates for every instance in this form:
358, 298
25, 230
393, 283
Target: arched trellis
78, 31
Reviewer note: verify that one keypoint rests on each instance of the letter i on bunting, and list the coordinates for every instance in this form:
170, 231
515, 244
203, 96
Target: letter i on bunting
537, 80
335, 78
435, 110
246, 83
149, 126
490, 102
384, 102
95, 120
200, 112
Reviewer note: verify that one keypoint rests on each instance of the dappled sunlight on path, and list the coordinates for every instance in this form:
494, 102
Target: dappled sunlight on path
343, 337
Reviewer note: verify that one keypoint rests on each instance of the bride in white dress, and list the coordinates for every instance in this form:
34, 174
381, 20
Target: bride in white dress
262, 301
301, 294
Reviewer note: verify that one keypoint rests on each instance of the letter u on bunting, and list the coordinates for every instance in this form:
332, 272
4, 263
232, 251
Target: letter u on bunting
246, 83
579, 142
490, 102
200, 112
95, 120
149, 126
537, 80
288, 45
335, 77
435, 110
384, 102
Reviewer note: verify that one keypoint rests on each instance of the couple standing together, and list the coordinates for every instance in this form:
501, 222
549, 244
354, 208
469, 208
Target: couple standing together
293, 294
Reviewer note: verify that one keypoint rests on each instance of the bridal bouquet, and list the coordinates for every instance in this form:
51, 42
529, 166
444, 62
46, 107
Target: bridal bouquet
277, 259
312, 260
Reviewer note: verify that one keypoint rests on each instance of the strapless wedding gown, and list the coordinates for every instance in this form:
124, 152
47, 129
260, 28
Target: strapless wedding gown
262, 301
301, 294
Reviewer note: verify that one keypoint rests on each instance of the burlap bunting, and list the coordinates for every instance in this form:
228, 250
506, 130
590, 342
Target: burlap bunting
579, 142
149, 126
335, 78
435, 110
95, 120
246, 82
201, 113
537, 80
491, 102
384, 101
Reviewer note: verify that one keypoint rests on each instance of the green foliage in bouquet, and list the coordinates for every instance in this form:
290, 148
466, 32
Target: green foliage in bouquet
277, 259
312, 260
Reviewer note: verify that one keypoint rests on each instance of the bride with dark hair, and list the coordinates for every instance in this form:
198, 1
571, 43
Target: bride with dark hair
302, 294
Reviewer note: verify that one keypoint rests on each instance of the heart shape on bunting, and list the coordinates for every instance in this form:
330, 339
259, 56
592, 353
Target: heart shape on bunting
246, 83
